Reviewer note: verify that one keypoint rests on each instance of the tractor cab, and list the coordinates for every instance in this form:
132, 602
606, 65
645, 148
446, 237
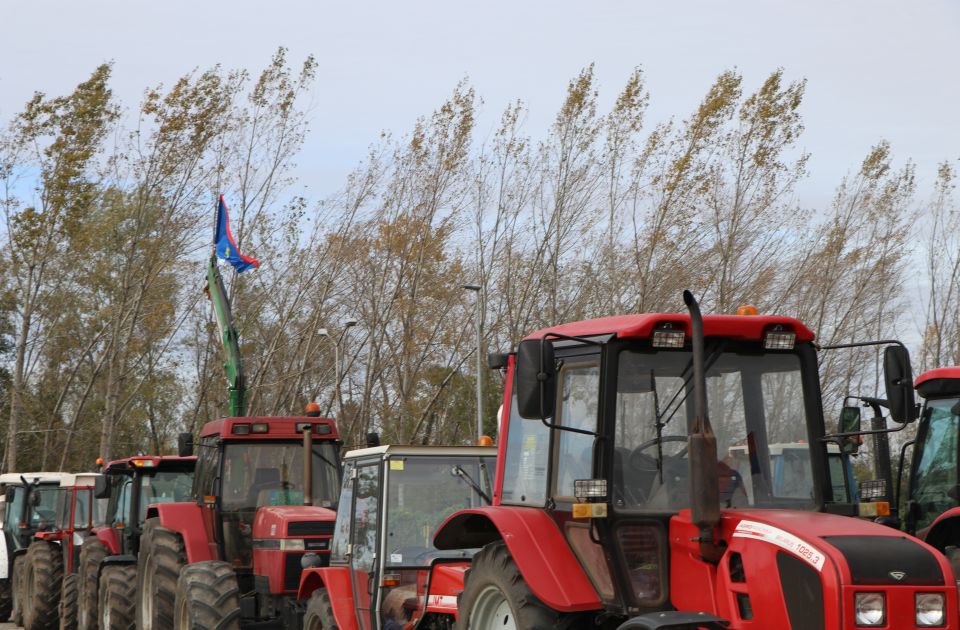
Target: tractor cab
644, 480
385, 572
932, 506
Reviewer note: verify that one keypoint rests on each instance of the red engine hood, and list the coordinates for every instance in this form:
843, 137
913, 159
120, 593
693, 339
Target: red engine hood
273, 521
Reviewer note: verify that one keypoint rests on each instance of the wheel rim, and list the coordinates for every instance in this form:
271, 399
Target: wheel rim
492, 610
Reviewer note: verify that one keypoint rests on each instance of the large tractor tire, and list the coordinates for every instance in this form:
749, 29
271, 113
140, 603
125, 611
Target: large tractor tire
208, 597
42, 577
92, 553
319, 615
158, 567
68, 602
16, 589
495, 596
6, 597
118, 597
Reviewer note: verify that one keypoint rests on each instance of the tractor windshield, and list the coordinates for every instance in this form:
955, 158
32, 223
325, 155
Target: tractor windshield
423, 492
756, 407
256, 474
33, 517
935, 480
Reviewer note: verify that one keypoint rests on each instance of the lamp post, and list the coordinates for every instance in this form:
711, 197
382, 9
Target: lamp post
476, 289
336, 361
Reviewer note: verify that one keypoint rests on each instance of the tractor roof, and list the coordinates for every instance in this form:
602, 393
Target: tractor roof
159, 462
748, 327
423, 451
943, 381
277, 428
79, 480
43, 477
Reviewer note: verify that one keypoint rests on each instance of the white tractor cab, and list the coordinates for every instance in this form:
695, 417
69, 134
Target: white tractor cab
29, 506
789, 461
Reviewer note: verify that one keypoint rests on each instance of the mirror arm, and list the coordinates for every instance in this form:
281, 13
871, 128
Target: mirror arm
832, 437
862, 344
896, 490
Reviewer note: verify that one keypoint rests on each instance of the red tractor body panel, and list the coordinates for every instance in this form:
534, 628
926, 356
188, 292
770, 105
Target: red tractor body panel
340, 589
446, 582
749, 327
278, 428
194, 523
274, 542
108, 536
536, 544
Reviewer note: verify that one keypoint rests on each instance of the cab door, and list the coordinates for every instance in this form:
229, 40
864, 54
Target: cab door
365, 543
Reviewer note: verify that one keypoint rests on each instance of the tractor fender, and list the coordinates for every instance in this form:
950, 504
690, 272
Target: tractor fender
108, 537
537, 545
944, 531
194, 524
337, 582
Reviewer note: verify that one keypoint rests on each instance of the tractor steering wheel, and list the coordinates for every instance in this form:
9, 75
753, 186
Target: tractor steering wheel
642, 462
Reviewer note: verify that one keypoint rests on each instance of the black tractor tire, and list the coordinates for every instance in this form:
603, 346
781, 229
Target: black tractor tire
158, 567
6, 597
493, 568
69, 591
92, 553
118, 597
16, 590
42, 577
319, 615
208, 597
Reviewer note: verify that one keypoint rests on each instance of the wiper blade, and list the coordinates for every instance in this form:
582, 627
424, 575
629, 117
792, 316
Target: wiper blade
458, 471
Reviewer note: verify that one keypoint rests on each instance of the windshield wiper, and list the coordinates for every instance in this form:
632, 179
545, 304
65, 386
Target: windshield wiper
458, 471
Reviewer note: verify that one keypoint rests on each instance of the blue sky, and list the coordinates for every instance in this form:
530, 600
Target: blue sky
876, 69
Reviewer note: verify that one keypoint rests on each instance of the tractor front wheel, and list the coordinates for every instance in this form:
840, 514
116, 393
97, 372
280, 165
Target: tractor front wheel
92, 553
319, 615
118, 597
16, 590
208, 597
6, 596
158, 567
42, 577
496, 597
68, 602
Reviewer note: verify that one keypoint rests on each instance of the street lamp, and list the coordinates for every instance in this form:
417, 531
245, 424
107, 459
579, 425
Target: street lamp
336, 361
476, 289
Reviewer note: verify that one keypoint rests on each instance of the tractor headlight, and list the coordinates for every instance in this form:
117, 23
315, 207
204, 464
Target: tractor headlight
292, 544
870, 609
931, 609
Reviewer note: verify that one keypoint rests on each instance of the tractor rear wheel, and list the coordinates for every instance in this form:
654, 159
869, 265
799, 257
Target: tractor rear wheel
92, 553
42, 577
208, 597
495, 596
158, 567
68, 602
6, 596
117, 597
319, 615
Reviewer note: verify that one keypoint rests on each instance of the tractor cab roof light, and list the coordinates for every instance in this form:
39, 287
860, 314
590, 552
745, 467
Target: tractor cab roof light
260, 427
143, 463
241, 429
779, 338
665, 336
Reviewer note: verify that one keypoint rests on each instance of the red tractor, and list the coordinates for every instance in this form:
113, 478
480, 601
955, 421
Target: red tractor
264, 494
618, 502
932, 506
384, 571
48, 583
108, 559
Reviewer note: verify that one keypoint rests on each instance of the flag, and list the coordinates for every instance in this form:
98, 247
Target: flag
226, 246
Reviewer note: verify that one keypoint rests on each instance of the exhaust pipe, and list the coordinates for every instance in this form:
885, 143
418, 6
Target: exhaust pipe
702, 447
308, 465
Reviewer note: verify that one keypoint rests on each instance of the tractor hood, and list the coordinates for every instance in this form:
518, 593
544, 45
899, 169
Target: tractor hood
285, 521
784, 568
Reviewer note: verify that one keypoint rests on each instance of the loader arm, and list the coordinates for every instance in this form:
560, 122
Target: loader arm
228, 337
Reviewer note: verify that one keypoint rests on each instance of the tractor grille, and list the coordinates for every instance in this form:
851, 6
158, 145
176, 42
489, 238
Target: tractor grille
310, 528
292, 569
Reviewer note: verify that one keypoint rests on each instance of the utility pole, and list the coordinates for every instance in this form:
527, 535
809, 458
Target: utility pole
336, 362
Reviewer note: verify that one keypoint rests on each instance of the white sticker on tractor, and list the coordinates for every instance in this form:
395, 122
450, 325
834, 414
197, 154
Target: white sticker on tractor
780, 538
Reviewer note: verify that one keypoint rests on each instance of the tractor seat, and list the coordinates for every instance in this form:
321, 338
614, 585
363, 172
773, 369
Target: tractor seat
263, 479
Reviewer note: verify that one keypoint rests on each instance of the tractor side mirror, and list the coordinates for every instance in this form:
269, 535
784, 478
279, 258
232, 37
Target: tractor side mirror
101, 489
850, 423
185, 444
898, 378
536, 381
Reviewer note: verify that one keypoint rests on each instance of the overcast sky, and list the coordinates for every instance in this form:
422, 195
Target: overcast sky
876, 68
